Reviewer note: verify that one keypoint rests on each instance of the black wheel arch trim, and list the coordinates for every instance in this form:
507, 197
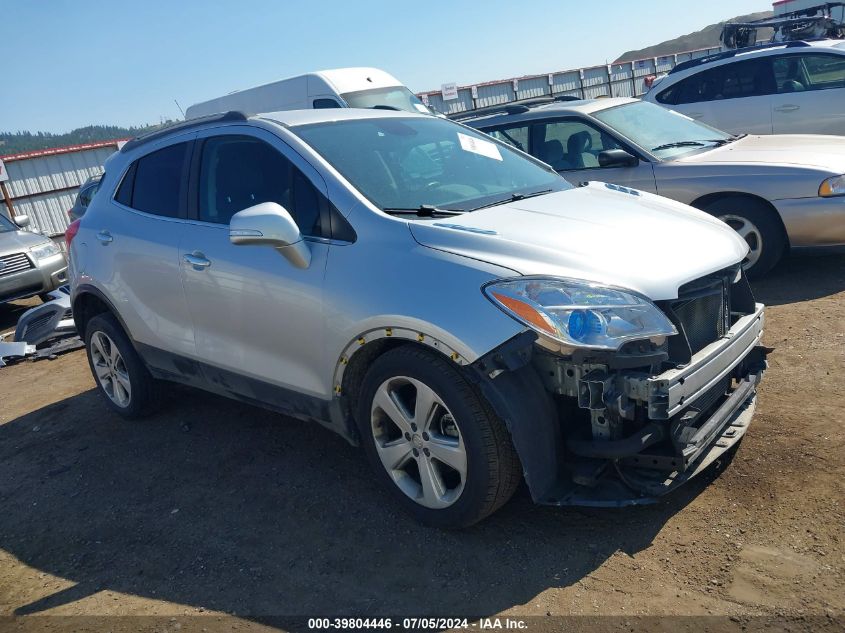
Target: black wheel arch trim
88, 289
509, 382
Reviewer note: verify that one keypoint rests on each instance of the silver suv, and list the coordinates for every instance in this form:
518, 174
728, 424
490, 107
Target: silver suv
438, 297
30, 263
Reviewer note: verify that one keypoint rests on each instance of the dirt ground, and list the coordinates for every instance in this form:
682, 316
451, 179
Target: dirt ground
214, 507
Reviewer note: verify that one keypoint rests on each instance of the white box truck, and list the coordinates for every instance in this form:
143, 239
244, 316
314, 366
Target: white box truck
338, 88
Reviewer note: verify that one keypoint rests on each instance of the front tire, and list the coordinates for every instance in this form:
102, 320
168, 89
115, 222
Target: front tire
120, 374
433, 441
756, 224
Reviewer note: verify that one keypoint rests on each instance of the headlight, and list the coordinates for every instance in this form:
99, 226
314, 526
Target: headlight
832, 187
45, 250
580, 313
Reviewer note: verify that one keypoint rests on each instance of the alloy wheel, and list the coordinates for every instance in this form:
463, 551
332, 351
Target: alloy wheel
110, 369
418, 442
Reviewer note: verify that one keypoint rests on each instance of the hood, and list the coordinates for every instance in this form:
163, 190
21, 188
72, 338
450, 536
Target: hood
625, 238
826, 153
19, 241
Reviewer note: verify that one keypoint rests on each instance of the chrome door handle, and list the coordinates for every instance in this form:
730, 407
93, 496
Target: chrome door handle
695, 115
104, 237
197, 260
787, 108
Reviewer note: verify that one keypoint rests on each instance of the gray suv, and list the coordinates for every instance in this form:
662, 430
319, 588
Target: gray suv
435, 296
30, 263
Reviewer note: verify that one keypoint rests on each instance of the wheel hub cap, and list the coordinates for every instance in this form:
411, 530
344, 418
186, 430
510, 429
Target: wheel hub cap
750, 233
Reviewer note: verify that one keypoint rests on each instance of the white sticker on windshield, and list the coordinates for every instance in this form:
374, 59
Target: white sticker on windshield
477, 146
421, 108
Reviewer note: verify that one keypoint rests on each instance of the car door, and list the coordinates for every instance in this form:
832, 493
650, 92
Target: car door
810, 95
735, 97
572, 146
134, 252
257, 319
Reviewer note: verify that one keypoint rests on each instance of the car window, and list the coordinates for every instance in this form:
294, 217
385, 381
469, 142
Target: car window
661, 131
6, 225
85, 197
749, 78
153, 183
571, 144
810, 71
516, 135
237, 172
322, 104
395, 98
406, 162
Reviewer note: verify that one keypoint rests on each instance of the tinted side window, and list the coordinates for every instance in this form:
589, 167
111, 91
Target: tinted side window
798, 73
154, 183
322, 104
237, 172
516, 136
85, 197
750, 78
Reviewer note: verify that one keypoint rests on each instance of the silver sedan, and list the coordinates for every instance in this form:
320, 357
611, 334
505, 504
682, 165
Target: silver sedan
778, 192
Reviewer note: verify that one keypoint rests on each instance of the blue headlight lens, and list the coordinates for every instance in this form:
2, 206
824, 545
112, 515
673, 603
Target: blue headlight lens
583, 323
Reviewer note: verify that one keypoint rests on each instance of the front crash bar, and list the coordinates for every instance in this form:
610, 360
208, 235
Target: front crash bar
676, 389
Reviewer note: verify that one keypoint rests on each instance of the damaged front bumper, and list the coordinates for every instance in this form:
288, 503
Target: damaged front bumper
624, 434
691, 415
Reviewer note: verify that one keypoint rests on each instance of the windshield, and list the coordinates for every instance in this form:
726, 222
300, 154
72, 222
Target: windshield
6, 226
406, 163
395, 97
664, 133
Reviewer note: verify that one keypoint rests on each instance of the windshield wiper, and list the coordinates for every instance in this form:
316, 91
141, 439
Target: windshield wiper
513, 198
715, 141
424, 211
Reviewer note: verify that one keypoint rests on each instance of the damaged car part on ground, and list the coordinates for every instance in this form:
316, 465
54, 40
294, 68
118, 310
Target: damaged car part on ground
43, 331
447, 302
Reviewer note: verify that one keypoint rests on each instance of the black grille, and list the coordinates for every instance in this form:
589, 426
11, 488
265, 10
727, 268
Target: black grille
702, 319
702, 311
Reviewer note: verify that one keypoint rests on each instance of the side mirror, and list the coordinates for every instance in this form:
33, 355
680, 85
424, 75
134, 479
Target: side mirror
22, 221
617, 158
269, 224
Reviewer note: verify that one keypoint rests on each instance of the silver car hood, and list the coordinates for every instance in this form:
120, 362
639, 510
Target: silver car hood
635, 240
805, 150
19, 241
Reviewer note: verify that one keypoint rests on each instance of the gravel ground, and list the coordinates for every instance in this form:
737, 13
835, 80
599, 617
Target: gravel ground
214, 507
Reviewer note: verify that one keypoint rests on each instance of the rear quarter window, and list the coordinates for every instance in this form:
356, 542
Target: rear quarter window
154, 182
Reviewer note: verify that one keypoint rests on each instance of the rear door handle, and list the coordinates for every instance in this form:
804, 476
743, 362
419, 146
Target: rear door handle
104, 237
789, 107
197, 260
695, 115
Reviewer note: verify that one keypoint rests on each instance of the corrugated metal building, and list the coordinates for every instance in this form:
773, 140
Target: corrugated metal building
43, 184
612, 80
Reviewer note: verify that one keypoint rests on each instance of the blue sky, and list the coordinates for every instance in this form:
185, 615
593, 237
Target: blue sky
68, 63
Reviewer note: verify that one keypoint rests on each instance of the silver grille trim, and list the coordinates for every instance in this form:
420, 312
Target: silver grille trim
15, 263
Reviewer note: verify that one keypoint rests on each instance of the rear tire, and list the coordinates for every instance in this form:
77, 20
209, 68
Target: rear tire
757, 225
433, 441
121, 376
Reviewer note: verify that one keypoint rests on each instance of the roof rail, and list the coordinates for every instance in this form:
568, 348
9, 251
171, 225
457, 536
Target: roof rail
511, 107
184, 125
733, 53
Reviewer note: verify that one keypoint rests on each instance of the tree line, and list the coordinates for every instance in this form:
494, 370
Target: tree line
17, 142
